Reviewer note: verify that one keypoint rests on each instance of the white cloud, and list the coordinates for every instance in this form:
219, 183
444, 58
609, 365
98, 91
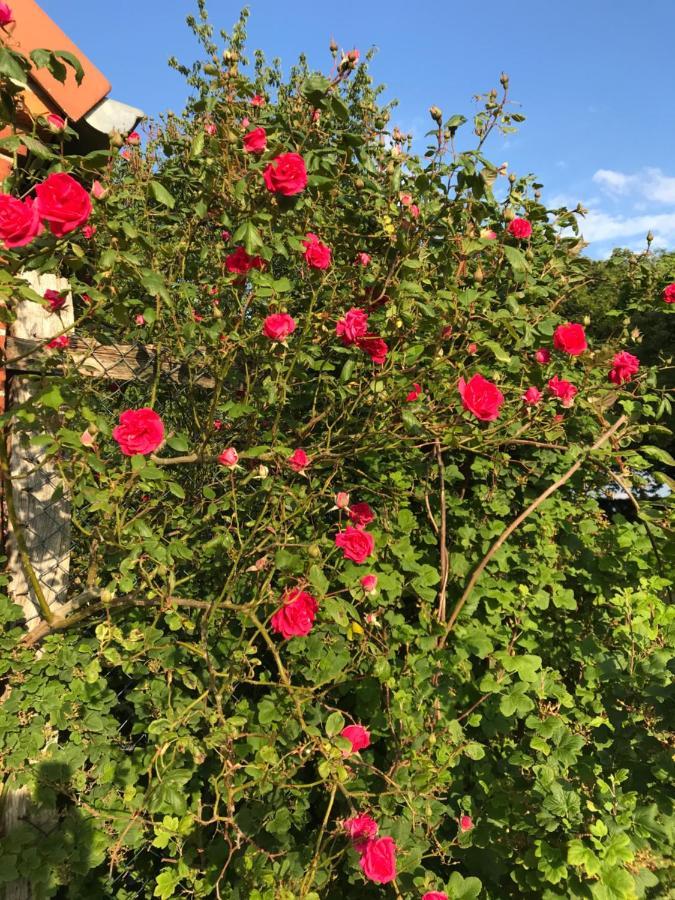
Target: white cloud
646, 184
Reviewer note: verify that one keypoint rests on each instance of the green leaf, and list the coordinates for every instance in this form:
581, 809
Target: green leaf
660, 454
11, 66
161, 195
249, 235
334, 724
460, 888
197, 145
516, 259
72, 61
315, 88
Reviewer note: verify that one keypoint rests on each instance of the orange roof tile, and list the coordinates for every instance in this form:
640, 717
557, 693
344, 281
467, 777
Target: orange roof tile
34, 29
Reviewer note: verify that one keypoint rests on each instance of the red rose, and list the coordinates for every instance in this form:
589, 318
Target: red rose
481, 397
139, 431
56, 300
229, 458
369, 583
358, 736
361, 514
59, 343
257, 100
378, 860
563, 390
465, 823
286, 174
278, 326
414, 394
240, 262
570, 338
435, 895
360, 829
362, 259
624, 366
298, 460
532, 396
355, 543
255, 141
19, 221
543, 357
62, 203
374, 346
352, 326
317, 254
134, 138
519, 228
669, 294
296, 615
6, 15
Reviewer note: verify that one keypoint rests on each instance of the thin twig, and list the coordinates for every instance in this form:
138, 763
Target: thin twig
503, 537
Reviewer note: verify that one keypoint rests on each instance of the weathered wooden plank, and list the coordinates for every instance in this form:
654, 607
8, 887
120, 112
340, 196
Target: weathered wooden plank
114, 362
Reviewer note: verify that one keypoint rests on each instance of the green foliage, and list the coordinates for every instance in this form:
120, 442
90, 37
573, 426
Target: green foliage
181, 747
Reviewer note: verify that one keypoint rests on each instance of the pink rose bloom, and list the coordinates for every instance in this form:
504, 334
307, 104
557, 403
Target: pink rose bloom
255, 141
435, 895
362, 259
286, 175
210, 129
369, 583
570, 338
353, 56
98, 192
240, 262
59, 343
415, 211
558, 417
543, 357
317, 254
361, 514
487, 234
360, 829
298, 460
278, 326
55, 299
563, 390
296, 615
519, 228
124, 153
217, 424
245, 122
378, 860
532, 396
19, 221
139, 319
465, 823
197, 316
139, 431
405, 199
87, 438
257, 100
668, 294
62, 203
481, 397
358, 737
89, 231
472, 348
342, 500
355, 543
225, 235
414, 393
229, 458
374, 346
56, 124
624, 366
134, 139
352, 326
6, 15
447, 332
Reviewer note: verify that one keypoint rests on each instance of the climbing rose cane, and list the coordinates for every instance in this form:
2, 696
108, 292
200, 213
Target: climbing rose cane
139, 431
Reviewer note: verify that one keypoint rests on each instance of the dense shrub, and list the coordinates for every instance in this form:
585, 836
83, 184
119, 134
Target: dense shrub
511, 694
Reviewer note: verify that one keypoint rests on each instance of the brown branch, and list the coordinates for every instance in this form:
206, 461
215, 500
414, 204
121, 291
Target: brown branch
503, 537
442, 535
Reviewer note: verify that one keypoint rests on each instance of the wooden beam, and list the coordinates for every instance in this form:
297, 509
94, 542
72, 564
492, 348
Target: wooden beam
114, 362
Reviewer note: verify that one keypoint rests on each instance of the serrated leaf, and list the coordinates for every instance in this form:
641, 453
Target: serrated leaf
161, 195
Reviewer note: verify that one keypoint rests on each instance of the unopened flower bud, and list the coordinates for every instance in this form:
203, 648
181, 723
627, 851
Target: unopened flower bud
504, 80
509, 214
650, 237
210, 69
314, 551
436, 114
512, 177
342, 500
263, 471
333, 47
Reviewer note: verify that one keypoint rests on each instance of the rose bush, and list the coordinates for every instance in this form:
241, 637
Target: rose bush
457, 685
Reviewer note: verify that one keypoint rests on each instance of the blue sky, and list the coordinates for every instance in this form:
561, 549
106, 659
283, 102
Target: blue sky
593, 78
